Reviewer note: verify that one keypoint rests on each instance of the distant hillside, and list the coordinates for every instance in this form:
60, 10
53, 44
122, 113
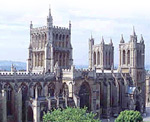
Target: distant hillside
6, 65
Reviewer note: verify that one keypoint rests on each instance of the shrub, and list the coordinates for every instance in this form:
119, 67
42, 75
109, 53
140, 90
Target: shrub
69, 115
129, 116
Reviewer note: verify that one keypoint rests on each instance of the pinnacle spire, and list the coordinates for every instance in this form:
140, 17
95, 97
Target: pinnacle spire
102, 40
142, 40
70, 24
122, 39
111, 41
91, 36
134, 34
49, 10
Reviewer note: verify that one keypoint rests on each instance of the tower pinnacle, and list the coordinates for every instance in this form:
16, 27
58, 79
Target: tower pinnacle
134, 34
111, 43
102, 40
49, 10
122, 39
142, 40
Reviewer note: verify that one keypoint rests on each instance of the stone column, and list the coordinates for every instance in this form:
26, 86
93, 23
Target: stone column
108, 100
36, 111
4, 110
19, 105
36, 108
49, 104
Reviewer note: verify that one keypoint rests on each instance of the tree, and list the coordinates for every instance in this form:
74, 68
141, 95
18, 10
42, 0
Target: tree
69, 115
129, 116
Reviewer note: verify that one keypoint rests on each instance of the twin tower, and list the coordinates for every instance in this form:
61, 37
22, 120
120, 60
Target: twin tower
131, 56
50, 46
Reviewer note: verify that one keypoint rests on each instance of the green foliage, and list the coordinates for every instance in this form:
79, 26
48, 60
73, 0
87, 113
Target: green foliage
129, 116
69, 115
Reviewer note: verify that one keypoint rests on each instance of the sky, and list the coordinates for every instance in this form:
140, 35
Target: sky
107, 18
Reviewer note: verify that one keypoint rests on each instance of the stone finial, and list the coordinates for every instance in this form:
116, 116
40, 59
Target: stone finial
31, 25
69, 25
142, 40
122, 39
134, 34
111, 43
103, 42
49, 10
13, 69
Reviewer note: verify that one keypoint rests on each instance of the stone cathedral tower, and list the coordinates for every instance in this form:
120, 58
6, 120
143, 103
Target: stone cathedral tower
49, 45
132, 59
101, 56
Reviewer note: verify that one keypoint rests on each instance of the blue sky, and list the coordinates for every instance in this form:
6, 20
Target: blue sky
107, 18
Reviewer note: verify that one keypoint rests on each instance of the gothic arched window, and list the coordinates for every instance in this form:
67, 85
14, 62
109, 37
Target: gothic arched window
128, 54
98, 58
124, 57
94, 58
85, 95
110, 60
65, 90
51, 90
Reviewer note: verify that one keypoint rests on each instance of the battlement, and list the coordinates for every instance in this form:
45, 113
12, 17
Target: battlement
39, 29
24, 74
60, 29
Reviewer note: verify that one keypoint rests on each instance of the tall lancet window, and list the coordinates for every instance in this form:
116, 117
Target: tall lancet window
110, 60
98, 58
124, 57
94, 58
128, 61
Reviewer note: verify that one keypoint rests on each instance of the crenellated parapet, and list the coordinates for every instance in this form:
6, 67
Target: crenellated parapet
25, 76
39, 30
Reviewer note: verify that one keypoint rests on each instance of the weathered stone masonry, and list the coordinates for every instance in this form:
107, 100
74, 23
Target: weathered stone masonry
51, 81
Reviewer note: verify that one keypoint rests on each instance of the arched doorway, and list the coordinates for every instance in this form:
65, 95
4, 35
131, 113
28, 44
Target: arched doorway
30, 114
85, 96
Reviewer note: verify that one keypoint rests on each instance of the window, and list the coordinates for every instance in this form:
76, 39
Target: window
124, 57
51, 90
98, 58
128, 61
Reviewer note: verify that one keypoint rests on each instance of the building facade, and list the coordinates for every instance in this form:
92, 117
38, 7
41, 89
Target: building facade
52, 81
48, 45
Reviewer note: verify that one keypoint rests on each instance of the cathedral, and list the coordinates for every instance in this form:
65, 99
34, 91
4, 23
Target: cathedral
51, 80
